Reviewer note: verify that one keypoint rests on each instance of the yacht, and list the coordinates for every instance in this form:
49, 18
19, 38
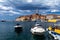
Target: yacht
38, 29
54, 31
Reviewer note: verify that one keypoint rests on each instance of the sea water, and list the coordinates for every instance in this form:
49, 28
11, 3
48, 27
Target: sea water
7, 31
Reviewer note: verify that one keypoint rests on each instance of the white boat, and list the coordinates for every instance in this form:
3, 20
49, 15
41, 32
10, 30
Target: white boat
38, 29
18, 27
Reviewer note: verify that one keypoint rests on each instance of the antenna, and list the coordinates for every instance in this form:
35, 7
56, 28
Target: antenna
37, 10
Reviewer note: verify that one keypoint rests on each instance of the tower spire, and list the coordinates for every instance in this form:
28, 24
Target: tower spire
37, 11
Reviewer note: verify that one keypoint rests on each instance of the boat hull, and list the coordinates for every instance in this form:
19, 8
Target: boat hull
37, 33
18, 28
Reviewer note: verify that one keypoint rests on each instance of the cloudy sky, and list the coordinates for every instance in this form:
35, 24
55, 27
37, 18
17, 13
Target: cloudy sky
11, 9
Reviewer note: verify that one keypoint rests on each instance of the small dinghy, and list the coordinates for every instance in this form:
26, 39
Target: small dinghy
18, 27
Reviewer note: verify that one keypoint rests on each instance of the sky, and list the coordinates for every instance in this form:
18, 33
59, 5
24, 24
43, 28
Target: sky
11, 9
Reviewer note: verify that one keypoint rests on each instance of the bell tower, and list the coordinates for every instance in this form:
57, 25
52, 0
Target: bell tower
37, 11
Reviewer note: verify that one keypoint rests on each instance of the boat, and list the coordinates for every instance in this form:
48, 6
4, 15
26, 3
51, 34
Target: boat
18, 27
38, 29
54, 31
3, 21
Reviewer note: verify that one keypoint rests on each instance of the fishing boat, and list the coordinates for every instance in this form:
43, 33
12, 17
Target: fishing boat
54, 31
3, 21
18, 27
38, 29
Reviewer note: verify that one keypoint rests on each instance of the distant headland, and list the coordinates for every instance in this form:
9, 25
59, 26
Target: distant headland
35, 16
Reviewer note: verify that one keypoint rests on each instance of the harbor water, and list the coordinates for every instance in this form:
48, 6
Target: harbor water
7, 31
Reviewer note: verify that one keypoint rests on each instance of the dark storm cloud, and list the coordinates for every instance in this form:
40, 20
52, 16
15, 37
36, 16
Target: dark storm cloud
34, 4
32, 7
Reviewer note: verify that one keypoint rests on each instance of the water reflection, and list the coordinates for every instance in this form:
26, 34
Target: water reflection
18, 31
37, 37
